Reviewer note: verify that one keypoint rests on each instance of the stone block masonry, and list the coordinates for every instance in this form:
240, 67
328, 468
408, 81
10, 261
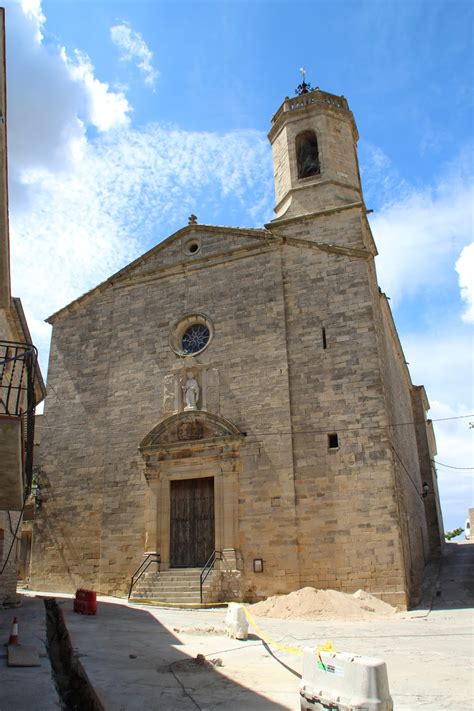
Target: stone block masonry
299, 393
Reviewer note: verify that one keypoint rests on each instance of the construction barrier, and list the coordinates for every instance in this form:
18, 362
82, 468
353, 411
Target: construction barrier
85, 602
340, 681
236, 622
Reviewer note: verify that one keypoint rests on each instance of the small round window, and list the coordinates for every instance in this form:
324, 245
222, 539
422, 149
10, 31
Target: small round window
191, 335
195, 338
192, 246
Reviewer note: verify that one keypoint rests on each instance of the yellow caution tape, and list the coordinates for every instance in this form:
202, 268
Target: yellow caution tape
328, 647
162, 603
269, 640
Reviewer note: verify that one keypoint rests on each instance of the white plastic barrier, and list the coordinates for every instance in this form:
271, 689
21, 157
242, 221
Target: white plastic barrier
342, 681
236, 621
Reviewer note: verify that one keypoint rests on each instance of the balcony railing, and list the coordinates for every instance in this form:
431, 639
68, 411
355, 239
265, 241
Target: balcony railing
18, 370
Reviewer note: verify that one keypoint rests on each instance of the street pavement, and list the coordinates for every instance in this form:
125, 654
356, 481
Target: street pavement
139, 657
26, 688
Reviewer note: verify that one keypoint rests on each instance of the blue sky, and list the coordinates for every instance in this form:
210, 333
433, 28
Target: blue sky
125, 117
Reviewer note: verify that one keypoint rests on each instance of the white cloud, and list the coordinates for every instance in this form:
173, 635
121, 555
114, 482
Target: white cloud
134, 49
442, 361
51, 101
32, 10
421, 234
455, 449
465, 269
106, 109
81, 207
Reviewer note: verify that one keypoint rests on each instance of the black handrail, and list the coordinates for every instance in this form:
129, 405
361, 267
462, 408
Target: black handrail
208, 566
18, 368
142, 568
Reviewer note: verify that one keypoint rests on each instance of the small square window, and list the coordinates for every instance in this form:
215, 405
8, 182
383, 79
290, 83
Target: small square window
333, 441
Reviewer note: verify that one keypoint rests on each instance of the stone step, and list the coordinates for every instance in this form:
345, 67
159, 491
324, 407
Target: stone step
171, 595
173, 586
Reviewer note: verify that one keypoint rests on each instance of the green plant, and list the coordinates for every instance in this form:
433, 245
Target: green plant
452, 534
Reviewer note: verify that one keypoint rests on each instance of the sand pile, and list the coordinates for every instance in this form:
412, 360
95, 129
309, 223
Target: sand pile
311, 604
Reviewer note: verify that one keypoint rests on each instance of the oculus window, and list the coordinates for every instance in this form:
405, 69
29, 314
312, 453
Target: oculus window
195, 338
191, 335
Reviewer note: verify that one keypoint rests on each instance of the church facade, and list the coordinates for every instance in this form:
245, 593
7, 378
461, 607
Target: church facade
244, 391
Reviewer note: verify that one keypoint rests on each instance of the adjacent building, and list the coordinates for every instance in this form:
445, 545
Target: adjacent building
21, 384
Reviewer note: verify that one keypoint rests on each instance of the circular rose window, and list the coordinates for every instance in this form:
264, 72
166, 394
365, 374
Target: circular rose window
195, 338
191, 335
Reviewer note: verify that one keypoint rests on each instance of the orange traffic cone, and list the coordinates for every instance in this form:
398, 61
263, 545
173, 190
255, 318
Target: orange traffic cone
14, 633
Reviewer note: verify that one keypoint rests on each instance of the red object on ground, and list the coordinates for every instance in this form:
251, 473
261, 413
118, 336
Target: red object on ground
85, 602
14, 633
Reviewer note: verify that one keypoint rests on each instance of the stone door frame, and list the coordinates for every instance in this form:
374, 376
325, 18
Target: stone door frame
216, 453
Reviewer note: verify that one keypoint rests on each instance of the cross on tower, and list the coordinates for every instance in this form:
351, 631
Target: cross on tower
305, 87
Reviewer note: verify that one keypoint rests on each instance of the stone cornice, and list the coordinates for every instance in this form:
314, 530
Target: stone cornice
271, 226
313, 183
292, 109
326, 247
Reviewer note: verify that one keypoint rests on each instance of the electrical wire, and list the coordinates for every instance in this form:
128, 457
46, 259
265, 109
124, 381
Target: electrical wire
415, 486
449, 466
325, 431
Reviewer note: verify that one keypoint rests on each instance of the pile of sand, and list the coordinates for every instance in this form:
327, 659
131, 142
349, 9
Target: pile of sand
311, 604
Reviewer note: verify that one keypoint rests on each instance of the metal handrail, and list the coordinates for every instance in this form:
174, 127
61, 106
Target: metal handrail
208, 566
142, 568
18, 368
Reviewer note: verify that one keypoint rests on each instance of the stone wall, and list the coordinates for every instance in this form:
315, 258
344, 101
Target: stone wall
315, 515
426, 453
406, 463
347, 518
8, 578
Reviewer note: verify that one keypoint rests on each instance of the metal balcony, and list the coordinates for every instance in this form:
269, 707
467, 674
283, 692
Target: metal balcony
18, 370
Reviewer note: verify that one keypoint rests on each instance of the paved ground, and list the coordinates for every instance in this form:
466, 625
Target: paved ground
26, 688
137, 657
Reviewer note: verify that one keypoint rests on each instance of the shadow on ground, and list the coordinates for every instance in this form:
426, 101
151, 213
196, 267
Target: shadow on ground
133, 662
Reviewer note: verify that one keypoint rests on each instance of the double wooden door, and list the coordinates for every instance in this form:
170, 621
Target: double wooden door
192, 522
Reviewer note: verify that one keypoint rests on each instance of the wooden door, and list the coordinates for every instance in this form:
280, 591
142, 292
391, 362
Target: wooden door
192, 522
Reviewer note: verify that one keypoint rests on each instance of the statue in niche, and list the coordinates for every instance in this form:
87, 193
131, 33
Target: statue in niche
190, 392
307, 154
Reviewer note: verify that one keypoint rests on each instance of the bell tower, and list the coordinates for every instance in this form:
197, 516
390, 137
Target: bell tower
314, 146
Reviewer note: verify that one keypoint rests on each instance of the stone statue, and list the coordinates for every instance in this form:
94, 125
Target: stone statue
190, 392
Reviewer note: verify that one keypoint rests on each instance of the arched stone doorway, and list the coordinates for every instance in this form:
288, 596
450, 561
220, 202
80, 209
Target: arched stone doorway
191, 462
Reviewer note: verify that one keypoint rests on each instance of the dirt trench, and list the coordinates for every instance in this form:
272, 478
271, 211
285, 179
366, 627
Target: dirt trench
74, 688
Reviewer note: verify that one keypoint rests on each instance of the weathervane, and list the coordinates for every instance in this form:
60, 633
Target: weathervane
305, 87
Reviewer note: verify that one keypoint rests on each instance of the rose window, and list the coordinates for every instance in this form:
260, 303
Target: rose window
195, 338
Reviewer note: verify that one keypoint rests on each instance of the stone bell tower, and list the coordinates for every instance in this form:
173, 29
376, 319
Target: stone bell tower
314, 139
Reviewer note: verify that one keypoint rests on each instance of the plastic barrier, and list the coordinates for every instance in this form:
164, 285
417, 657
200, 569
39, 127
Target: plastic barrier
85, 602
343, 682
236, 621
